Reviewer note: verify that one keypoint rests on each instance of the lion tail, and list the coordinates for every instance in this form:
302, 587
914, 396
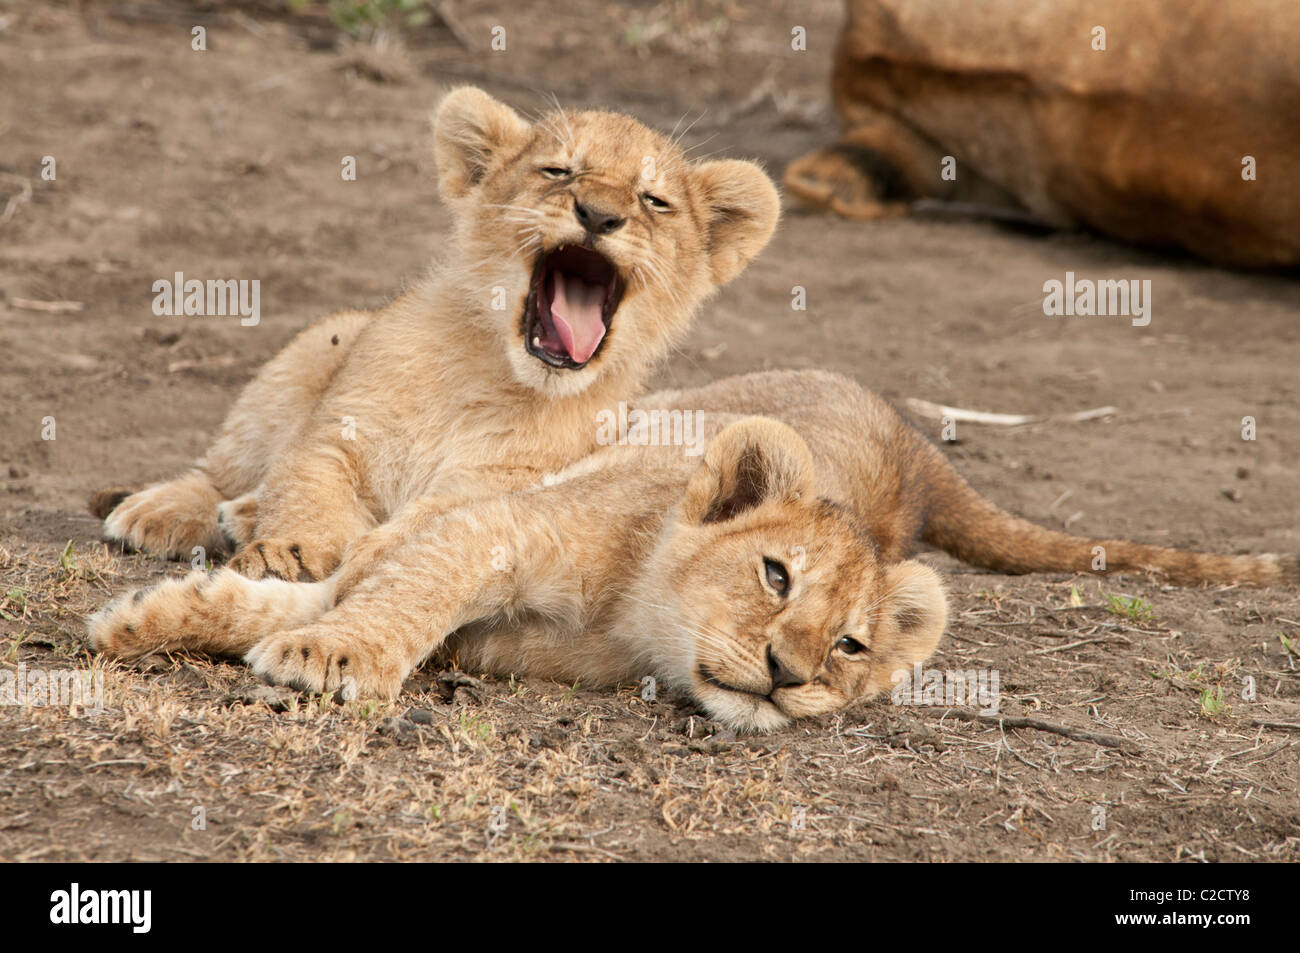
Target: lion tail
961, 522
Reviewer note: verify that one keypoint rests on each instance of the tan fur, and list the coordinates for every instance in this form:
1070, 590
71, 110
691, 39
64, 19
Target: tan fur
1143, 140
645, 563
644, 560
436, 394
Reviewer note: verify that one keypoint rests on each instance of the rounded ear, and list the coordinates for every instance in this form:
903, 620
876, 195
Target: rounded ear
741, 207
909, 622
470, 130
752, 461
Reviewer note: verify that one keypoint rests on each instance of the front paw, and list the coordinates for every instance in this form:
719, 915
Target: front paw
314, 659
156, 618
237, 519
281, 559
115, 629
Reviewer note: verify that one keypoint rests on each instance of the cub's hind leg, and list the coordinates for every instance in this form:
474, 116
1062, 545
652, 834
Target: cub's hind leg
170, 519
501, 557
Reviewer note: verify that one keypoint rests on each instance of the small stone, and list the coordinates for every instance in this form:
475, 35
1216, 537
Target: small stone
449, 683
398, 728
275, 697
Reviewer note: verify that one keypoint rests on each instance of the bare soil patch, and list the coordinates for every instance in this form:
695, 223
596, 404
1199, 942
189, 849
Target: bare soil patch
226, 164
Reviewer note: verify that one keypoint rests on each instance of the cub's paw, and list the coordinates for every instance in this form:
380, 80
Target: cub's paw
167, 519
320, 660
102, 502
115, 629
281, 559
147, 620
237, 519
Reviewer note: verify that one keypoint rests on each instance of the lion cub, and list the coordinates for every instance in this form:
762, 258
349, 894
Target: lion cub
583, 243
770, 580
634, 562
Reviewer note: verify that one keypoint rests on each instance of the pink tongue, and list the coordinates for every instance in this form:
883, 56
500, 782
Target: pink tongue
575, 310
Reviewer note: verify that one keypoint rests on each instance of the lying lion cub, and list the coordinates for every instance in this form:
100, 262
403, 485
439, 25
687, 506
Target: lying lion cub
582, 246
768, 580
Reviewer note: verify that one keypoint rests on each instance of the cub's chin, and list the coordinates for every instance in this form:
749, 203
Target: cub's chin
549, 382
739, 711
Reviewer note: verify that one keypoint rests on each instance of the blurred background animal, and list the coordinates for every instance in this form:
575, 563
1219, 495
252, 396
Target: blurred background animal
1171, 123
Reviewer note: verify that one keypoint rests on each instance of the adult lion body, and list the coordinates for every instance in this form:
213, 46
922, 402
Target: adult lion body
770, 580
1181, 132
582, 246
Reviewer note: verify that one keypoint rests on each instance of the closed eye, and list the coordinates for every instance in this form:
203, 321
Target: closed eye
556, 172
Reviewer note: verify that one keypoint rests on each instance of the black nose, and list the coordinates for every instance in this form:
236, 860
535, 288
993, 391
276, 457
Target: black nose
595, 220
782, 677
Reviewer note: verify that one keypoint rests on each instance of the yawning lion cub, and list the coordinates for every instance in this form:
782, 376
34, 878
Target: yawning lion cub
583, 244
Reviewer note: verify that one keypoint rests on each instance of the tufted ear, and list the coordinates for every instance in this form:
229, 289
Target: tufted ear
909, 622
750, 462
470, 131
741, 208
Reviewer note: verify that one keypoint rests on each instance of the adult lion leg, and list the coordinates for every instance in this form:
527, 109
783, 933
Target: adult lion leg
868, 174
171, 518
881, 166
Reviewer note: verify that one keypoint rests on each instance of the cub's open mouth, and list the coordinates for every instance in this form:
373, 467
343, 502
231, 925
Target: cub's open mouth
571, 302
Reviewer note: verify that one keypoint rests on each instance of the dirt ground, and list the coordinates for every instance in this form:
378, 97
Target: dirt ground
225, 163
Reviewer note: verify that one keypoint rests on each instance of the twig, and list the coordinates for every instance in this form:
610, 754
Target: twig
1276, 725
50, 307
939, 411
1019, 721
248, 23
1074, 645
444, 13
220, 360
23, 194
583, 848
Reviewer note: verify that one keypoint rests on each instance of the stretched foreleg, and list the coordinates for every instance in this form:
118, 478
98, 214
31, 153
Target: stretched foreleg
498, 558
220, 613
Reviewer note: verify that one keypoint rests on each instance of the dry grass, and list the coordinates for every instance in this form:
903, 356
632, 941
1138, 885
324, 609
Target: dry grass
503, 770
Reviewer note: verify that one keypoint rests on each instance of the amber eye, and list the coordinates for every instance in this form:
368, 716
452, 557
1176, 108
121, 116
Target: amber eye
656, 203
849, 645
556, 172
777, 577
